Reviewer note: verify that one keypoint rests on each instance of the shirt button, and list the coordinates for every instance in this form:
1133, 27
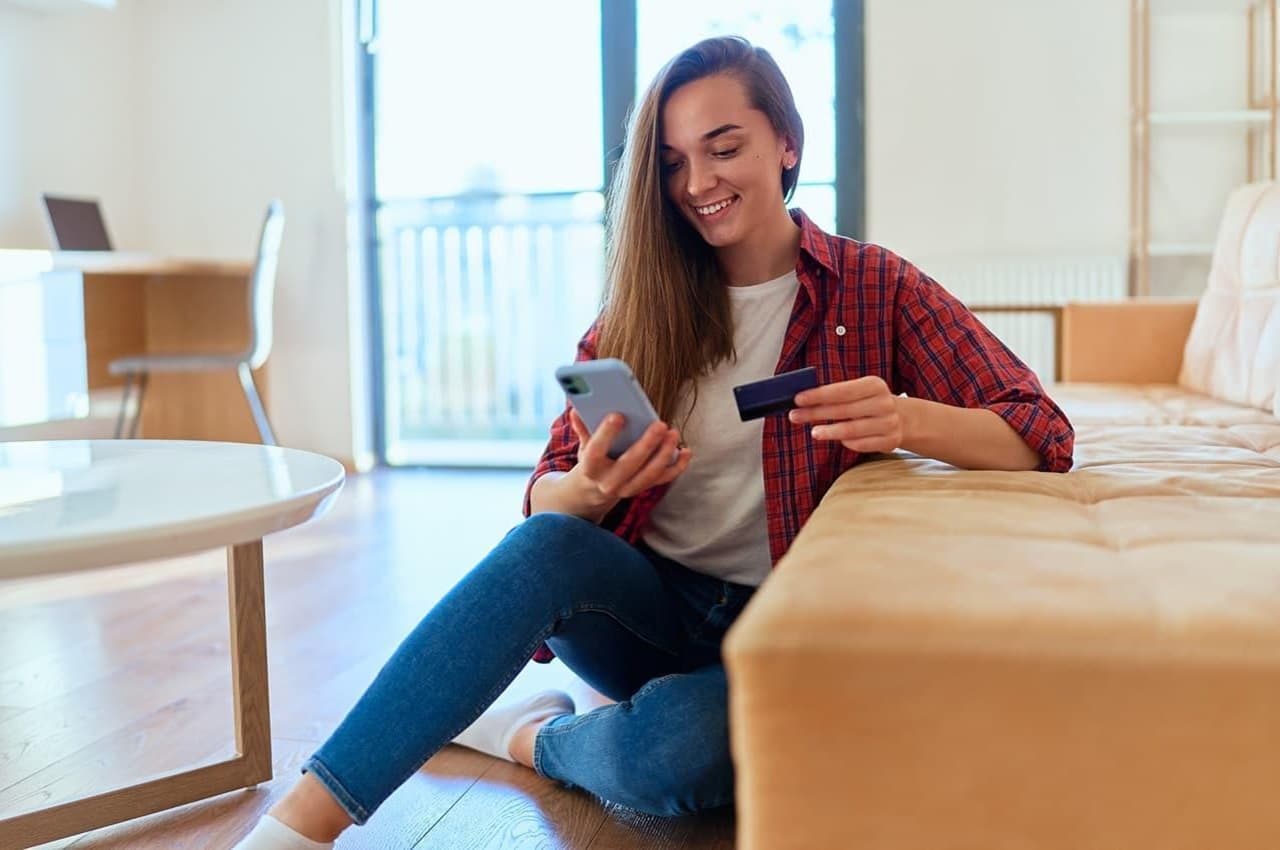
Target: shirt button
839, 330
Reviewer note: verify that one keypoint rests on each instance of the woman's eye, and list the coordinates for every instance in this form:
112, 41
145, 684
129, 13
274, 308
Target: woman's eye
725, 154
670, 167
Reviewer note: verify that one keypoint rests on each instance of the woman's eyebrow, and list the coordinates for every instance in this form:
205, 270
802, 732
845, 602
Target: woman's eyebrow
708, 136
719, 131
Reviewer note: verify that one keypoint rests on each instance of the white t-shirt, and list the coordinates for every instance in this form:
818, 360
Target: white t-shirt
712, 518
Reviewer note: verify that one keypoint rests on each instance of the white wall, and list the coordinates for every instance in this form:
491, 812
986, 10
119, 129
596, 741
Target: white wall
68, 119
243, 102
997, 127
187, 118
1001, 128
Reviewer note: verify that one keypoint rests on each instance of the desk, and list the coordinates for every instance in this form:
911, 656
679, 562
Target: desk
78, 504
64, 316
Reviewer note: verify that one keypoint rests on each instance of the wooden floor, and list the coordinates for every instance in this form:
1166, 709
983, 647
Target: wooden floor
111, 676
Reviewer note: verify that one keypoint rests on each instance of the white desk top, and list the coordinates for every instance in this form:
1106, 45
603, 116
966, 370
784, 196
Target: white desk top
21, 265
75, 504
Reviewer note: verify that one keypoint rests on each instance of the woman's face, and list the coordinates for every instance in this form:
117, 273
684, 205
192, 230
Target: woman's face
721, 159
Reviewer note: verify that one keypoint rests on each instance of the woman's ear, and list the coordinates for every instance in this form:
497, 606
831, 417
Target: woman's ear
789, 154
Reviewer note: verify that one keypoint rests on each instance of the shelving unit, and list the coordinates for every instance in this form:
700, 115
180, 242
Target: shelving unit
1258, 120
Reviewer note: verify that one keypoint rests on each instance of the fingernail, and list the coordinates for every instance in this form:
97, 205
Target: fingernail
793, 416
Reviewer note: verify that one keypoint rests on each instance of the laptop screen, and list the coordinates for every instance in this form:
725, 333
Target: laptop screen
77, 224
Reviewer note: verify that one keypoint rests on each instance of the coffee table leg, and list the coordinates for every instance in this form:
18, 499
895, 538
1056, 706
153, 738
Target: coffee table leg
249, 660
251, 765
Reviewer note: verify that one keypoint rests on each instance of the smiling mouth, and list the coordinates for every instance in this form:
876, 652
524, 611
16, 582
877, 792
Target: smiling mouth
712, 209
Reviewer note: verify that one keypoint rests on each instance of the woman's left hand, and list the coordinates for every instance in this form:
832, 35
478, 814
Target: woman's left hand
864, 415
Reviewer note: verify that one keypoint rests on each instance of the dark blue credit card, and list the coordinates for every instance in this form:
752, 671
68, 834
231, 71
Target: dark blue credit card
773, 395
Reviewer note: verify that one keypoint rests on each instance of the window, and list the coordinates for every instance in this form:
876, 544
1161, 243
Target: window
487, 146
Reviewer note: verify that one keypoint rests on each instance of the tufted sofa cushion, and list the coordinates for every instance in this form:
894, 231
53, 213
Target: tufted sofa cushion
1150, 404
1233, 351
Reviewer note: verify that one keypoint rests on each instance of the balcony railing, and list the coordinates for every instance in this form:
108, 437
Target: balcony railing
483, 296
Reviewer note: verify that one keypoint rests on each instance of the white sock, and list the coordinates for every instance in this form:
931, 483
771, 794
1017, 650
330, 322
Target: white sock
492, 732
271, 834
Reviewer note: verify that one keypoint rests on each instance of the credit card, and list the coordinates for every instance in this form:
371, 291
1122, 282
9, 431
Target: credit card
773, 395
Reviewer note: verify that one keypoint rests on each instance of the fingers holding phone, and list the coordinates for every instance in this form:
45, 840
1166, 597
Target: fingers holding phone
654, 459
624, 446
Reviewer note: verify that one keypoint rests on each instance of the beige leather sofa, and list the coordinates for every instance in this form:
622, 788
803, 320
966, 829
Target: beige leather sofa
992, 660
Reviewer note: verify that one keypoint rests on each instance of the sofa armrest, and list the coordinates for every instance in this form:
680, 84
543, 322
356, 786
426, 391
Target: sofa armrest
1125, 342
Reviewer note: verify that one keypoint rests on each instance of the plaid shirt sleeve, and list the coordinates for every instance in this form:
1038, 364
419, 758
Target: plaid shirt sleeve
561, 453
945, 354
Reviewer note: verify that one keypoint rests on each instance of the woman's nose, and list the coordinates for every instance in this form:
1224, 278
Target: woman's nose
700, 181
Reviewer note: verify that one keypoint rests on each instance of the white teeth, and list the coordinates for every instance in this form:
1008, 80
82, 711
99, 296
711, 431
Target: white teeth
714, 208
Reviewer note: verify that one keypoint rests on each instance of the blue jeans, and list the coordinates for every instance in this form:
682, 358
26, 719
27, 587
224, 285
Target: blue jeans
636, 626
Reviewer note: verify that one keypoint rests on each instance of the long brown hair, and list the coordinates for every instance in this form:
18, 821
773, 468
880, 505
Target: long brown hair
665, 309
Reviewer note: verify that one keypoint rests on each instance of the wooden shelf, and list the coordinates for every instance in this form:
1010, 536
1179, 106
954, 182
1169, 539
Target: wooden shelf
1180, 249
1202, 7
1223, 116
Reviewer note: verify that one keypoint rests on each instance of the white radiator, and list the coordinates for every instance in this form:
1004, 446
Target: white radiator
1030, 281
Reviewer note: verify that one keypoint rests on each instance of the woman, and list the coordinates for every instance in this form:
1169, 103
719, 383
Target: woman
632, 570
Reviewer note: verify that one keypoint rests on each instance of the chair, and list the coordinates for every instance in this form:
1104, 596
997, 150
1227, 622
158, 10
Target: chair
261, 294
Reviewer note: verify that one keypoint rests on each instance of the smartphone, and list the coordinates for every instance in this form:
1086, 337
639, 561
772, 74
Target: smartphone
597, 388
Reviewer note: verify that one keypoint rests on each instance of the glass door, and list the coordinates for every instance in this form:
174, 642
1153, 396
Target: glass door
488, 195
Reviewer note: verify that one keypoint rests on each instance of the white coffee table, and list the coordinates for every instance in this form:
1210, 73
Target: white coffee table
81, 504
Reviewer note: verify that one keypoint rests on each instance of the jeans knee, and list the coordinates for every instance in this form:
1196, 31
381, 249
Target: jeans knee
685, 773
549, 560
684, 791
554, 530
555, 524
559, 541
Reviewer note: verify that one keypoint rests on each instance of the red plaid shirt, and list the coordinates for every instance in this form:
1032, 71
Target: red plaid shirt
899, 324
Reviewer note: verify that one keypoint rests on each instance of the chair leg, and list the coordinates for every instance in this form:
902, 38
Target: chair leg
137, 416
255, 405
124, 403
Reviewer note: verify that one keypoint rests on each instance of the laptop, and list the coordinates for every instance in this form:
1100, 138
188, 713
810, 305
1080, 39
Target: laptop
76, 224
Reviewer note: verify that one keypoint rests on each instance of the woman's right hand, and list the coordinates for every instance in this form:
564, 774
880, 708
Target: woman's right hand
647, 463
